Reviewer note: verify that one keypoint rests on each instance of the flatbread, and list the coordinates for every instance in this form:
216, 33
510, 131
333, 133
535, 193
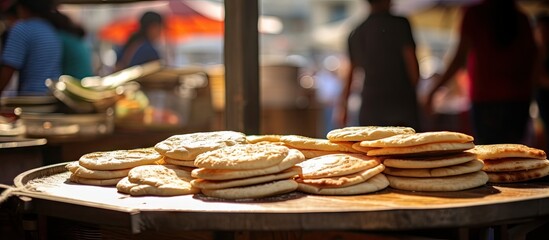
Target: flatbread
468, 167
408, 140
518, 176
242, 157
363, 133
496, 151
83, 172
184, 163
208, 184
188, 146
119, 159
254, 191
294, 157
344, 181
429, 162
162, 180
513, 164
97, 182
124, 185
429, 149
316, 153
356, 146
439, 184
336, 165
263, 138
301, 142
374, 184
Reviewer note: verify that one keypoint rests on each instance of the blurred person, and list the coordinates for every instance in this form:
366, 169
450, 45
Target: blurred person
32, 49
542, 90
384, 48
139, 48
497, 48
76, 60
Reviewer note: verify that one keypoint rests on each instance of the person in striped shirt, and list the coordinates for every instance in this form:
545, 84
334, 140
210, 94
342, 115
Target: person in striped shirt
33, 49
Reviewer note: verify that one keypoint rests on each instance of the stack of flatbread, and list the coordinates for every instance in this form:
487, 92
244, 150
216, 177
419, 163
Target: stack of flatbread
505, 163
157, 180
429, 161
182, 149
247, 171
107, 168
342, 174
357, 134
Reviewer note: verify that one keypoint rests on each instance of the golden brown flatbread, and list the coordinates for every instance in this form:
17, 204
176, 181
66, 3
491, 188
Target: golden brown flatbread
242, 157
496, 151
255, 191
209, 184
119, 159
429, 162
363, 133
301, 142
408, 140
429, 149
336, 165
518, 176
188, 146
513, 164
439, 184
374, 184
343, 181
468, 167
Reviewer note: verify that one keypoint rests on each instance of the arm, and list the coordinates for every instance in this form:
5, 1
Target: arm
341, 108
412, 65
6, 72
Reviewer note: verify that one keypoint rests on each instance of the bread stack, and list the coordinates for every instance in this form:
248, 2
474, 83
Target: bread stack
182, 149
506, 163
247, 171
341, 174
430, 161
107, 168
355, 135
157, 180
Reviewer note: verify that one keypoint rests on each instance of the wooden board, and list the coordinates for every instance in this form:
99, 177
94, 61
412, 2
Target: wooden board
389, 209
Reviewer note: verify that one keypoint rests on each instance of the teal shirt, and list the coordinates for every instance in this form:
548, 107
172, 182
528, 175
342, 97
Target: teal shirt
77, 57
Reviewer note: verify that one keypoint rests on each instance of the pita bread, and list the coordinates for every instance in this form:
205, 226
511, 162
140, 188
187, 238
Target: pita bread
513, 164
439, 184
263, 138
408, 140
301, 142
468, 167
316, 153
518, 176
184, 163
429, 162
124, 185
294, 157
356, 146
163, 180
344, 181
208, 184
188, 146
496, 151
430, 149
374, 184
119, 159
336, 165
254, 191
242, 157
97, 182
83, 172
362, 133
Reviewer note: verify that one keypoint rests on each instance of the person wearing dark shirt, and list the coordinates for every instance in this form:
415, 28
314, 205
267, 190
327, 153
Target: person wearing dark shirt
139, 48
497, 47
383, 47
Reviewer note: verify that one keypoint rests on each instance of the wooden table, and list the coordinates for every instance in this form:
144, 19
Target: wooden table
388, 210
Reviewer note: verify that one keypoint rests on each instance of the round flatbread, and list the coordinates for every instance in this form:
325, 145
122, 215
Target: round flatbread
430, 149
408, 140
242, 157
374, 184
336, 165
162, 180
356, 146
364, 133
208, 184
316, 153
119, 159
439, 184
184, 163
343, 181
518, 176
124, 185
96, 182
468, 167
301, 142
254, 191
188, 146
294, 157
429, 162
496, 151
83, 172
263, 138
513, 164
